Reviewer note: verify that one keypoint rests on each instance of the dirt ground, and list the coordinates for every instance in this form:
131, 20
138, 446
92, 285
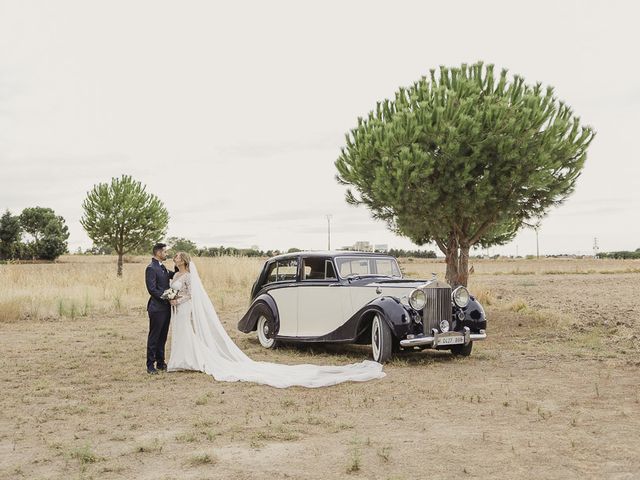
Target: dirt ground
554, 393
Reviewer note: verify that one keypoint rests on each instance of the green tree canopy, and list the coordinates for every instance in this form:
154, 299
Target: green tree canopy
123, 216
462, 158
48, 230
10, 234
179, 244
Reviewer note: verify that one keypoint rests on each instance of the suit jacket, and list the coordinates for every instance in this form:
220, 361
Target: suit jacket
157, 280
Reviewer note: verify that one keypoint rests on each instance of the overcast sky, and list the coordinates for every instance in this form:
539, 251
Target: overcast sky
233, 113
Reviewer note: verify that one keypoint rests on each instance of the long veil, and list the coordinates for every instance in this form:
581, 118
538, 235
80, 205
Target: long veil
221, 357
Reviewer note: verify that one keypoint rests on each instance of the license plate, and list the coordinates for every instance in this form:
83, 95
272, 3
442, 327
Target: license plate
451, 340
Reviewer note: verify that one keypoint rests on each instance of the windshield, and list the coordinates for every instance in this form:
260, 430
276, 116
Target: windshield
362, 266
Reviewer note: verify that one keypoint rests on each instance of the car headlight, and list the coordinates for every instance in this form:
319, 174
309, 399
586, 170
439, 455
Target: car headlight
460, 297
444, 326
417, 299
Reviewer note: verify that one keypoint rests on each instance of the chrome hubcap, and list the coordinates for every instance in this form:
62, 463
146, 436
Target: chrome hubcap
263, 331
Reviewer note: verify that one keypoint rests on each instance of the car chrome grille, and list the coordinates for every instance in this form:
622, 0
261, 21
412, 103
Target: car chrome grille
437, 308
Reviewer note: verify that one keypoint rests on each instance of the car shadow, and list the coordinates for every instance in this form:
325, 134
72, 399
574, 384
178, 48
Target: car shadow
345, 351
358, 353
422, 357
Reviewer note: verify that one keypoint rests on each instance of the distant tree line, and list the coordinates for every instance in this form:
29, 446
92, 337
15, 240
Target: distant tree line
36, 234
399, 252
234, 252
180, 244
184, 245
623, 254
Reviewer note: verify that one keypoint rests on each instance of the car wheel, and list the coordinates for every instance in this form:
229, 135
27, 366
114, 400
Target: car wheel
381, 340
462, 350
265, 331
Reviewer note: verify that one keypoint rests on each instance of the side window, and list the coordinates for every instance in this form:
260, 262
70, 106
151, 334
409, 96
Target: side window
318, 268
329, 270
287, 270
306, 274
272, 272
282, 270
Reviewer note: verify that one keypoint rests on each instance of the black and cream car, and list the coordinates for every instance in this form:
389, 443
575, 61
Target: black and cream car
357, 297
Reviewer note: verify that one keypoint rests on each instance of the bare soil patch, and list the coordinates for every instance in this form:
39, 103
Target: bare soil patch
553, 393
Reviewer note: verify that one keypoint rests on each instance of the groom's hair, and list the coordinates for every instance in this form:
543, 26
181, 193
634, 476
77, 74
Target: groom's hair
157, 247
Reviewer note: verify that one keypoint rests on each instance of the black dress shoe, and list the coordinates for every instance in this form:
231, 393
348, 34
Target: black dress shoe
162, 366
152, 371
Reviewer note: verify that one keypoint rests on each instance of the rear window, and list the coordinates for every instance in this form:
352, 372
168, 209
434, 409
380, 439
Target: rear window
283, 270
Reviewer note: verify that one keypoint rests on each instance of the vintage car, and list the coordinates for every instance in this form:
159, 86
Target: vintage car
358, 297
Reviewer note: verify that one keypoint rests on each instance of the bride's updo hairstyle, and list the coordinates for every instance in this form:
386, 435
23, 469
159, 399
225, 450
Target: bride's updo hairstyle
186, 258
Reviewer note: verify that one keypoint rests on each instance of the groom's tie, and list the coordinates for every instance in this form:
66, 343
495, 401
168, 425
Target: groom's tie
164, 269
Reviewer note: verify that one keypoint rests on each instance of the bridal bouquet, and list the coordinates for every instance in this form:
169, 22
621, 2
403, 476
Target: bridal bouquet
169, 294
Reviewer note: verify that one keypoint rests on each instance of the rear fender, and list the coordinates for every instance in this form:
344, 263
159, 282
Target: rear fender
249, 321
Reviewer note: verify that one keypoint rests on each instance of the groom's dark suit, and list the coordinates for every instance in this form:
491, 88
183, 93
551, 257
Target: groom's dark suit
157, 280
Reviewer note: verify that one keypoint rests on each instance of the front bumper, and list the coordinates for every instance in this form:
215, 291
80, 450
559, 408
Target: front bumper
436, 339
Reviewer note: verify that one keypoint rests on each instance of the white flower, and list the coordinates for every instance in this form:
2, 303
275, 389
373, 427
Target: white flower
169, 294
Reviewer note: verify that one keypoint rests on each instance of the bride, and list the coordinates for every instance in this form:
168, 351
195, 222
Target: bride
200, 342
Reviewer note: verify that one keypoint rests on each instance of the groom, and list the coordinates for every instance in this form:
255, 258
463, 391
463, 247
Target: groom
157, 280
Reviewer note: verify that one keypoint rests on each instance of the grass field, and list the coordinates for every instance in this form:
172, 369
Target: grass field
553, 393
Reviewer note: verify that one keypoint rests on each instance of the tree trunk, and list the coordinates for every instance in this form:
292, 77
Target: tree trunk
457, 259
451, 257
463, 265
120, 261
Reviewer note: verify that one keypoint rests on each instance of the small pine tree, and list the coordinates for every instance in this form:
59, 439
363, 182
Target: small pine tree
464, 158
123, 216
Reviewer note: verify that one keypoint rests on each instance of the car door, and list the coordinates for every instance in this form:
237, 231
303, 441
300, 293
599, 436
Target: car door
283, 279
322, 300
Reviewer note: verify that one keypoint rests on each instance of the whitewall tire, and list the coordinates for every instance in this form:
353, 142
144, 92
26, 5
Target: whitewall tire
381, 339
264, 328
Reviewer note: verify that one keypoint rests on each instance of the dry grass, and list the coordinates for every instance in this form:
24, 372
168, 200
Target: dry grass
519, 266
553, 393
81, 286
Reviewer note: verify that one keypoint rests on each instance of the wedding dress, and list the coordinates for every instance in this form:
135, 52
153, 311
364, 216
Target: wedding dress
200, 342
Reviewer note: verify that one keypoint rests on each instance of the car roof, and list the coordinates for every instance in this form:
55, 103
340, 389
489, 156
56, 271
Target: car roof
328, 253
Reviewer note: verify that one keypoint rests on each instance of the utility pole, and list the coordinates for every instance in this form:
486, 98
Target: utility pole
596, 248
329, 232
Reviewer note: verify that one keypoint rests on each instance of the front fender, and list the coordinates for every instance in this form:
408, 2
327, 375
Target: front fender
474, 316
393, 313
250, 319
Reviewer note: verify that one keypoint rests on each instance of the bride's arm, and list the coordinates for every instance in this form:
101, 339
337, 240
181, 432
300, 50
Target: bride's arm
185, 292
